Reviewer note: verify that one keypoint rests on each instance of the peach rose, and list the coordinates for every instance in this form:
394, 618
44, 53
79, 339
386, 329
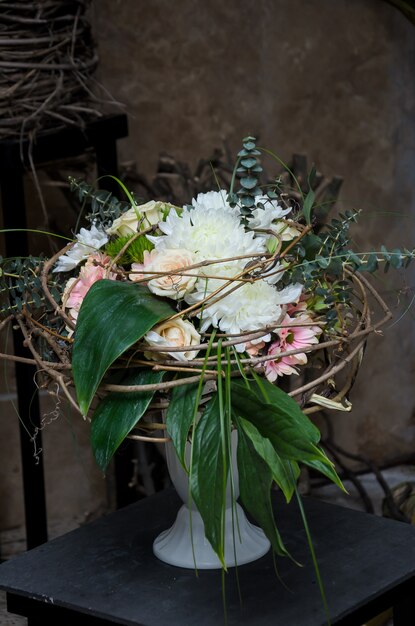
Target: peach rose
169, 285
173, 333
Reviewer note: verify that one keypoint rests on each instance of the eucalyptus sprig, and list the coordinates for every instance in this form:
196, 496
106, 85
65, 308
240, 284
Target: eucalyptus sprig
21, 287
104, 207
248, 170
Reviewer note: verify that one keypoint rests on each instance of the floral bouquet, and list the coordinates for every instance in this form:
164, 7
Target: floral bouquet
201, 311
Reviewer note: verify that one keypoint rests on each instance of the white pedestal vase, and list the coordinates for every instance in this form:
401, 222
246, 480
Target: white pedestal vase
185, 544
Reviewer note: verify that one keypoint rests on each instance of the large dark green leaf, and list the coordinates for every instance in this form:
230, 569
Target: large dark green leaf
209, 474
180, 416
255, 480
113, 316
118, 413
289, 432
284, 472
271, 394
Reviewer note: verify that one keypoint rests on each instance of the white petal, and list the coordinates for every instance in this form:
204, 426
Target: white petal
290, 294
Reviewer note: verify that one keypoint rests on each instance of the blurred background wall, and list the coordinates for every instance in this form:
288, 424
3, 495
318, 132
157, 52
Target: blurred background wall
332, 80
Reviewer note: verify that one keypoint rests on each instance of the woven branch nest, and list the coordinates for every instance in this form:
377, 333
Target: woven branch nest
48, 57
338, 351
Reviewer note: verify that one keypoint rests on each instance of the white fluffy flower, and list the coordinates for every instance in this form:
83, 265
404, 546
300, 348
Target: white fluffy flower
213, 200
264, 217
208, 231
88, 242
270, 216
250, 307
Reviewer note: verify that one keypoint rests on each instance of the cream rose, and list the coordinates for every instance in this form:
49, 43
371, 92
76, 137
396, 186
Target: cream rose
174, 333
146, 215
172, 285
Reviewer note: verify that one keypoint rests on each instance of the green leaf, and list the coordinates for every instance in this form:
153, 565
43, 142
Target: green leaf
371, 264
134, 252
312, 244
291, 433
208, 475
180, 416
272, 195
323, 262
328, 470
281, 400
255, 480
113, 316
308, 205
385, 253
248, 162
312, 176
118, 413
247, 201
249, 182
396, 259
284, 472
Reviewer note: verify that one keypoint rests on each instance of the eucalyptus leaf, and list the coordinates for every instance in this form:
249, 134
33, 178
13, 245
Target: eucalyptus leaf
113, 316
371, 265
249, 182
118, 413
248, 162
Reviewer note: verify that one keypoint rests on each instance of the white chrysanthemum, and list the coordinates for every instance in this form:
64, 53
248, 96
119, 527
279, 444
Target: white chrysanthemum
264, 217
207, 232
250, 307
88, 242
219, 275
213, 200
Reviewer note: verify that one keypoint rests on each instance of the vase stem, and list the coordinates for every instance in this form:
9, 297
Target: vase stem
185, 543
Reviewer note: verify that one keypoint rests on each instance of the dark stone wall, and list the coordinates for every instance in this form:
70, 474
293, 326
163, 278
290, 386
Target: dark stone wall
334, 80
331, 79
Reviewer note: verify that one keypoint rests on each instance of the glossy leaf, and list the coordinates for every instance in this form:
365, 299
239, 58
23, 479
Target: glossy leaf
284, 472
291, 433
255, 480
209, 474
113, 316
328, 470
118, 413
180, 416
271, 394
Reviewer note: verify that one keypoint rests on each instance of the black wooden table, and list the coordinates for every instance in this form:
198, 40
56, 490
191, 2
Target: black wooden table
105, 573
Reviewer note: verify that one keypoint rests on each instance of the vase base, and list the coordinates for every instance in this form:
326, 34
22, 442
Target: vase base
185, 544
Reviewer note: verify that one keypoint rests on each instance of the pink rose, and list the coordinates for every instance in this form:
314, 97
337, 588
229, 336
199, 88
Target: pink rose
77, 288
